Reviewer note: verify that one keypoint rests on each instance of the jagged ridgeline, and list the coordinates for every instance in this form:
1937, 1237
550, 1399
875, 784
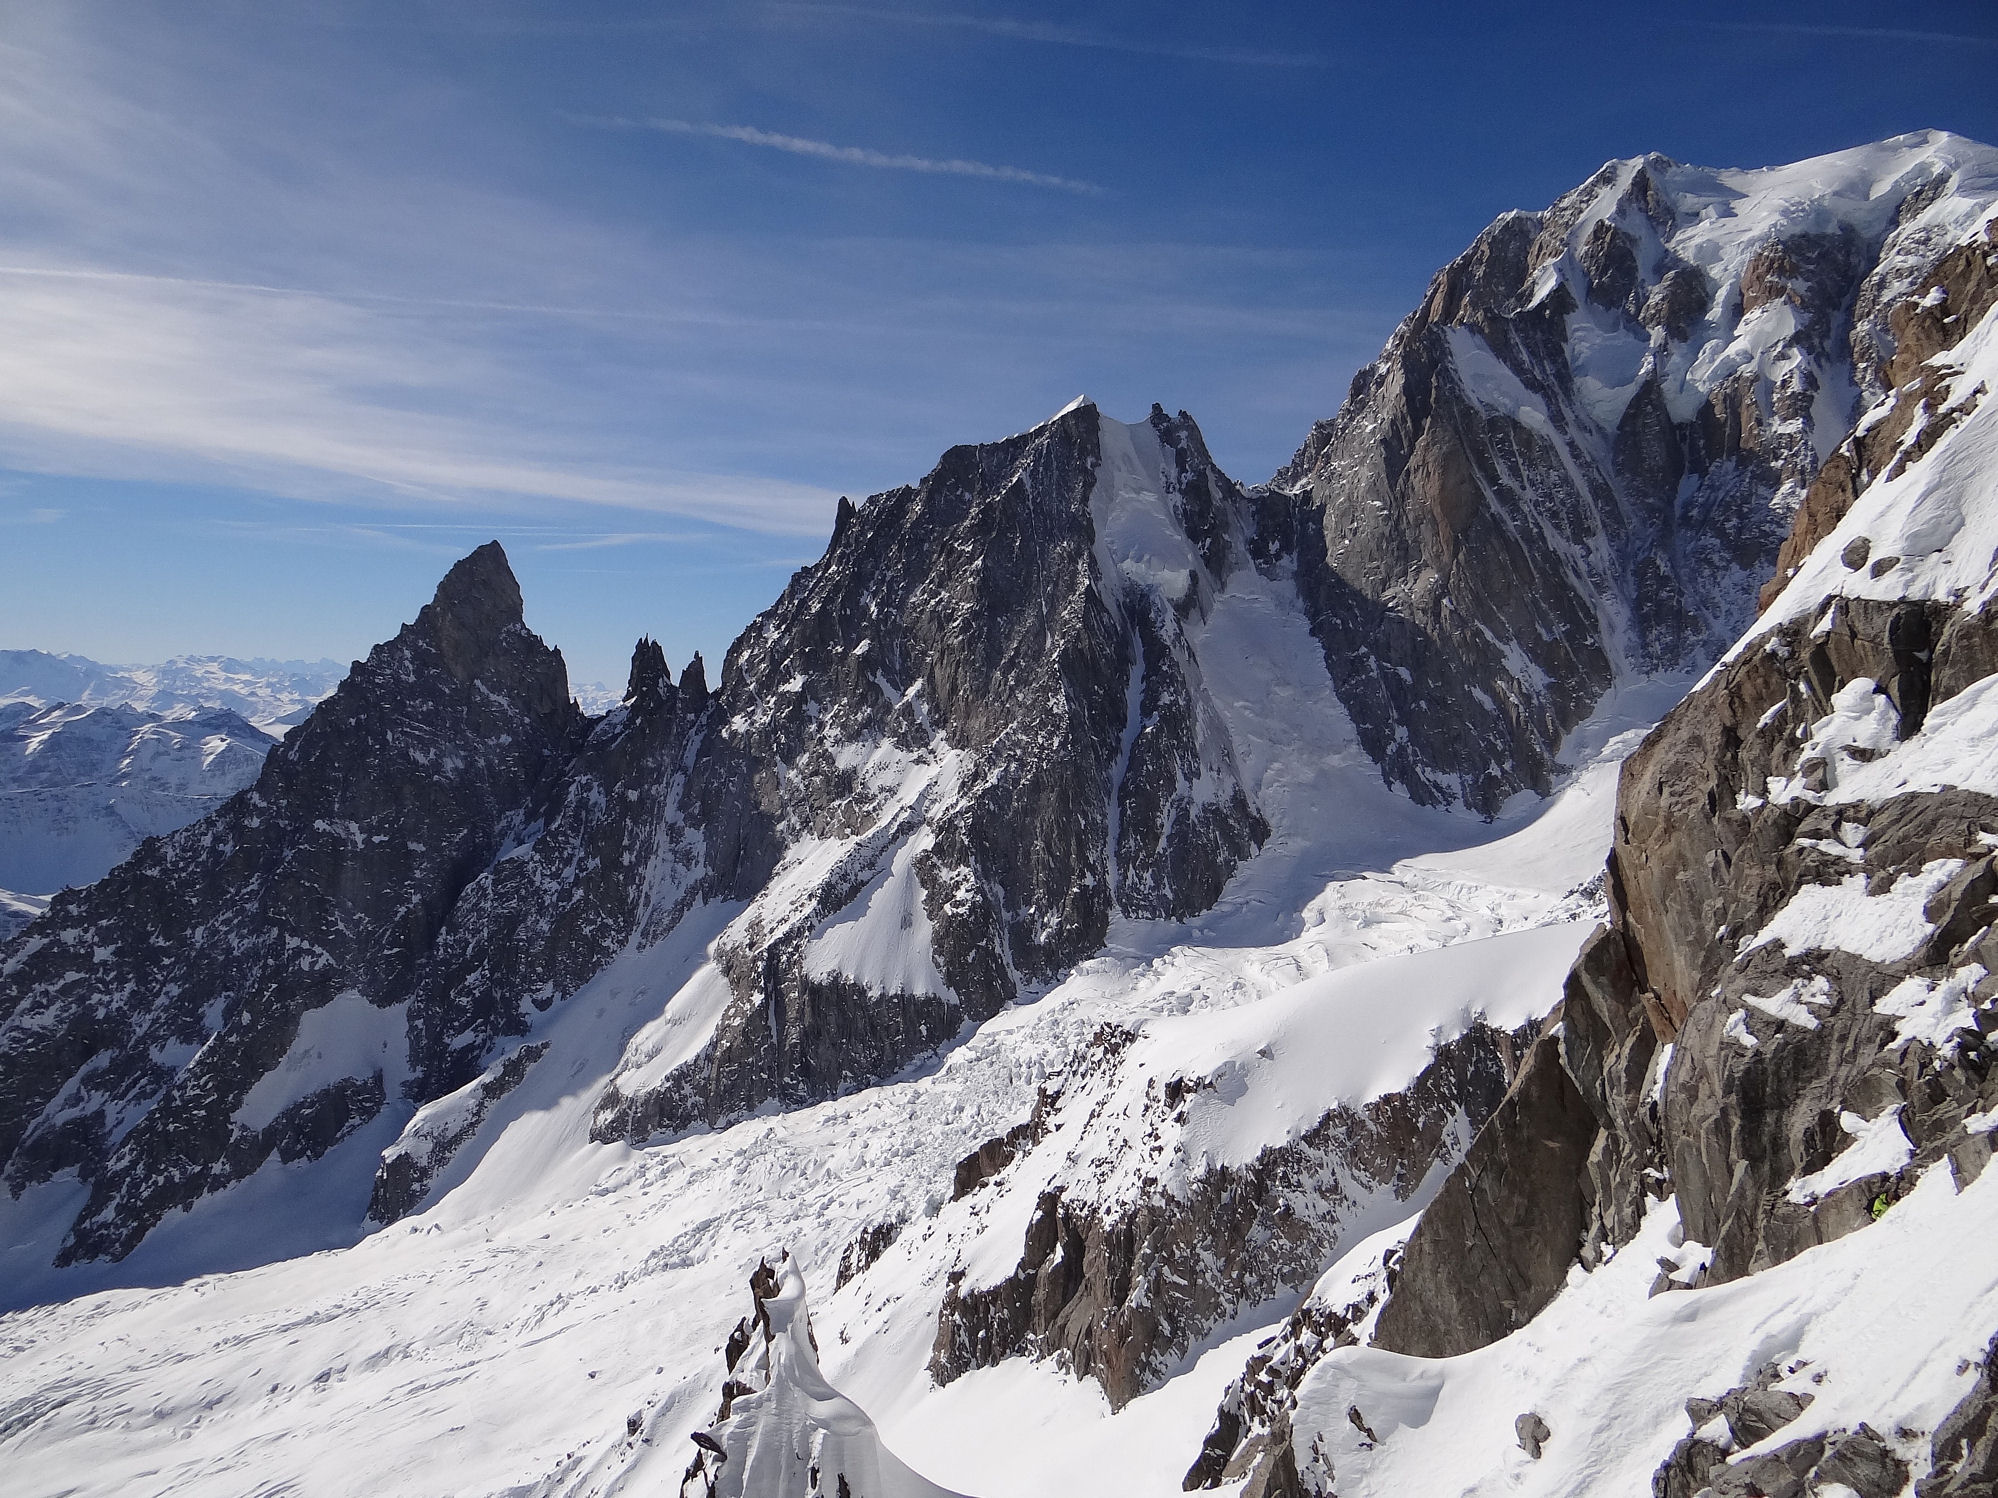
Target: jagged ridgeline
1575, 461
1000, 714
930, 776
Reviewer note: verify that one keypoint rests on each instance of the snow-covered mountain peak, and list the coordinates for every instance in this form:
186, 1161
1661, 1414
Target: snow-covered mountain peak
1574, 463
1054, 917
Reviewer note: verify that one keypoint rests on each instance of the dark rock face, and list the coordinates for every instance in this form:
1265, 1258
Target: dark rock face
1488, 537
865, 1251
1495, 1245
603, 855
995, 726
1121, 1295
332, 876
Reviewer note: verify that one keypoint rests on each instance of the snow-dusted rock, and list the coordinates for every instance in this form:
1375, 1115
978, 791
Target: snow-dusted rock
1576, 461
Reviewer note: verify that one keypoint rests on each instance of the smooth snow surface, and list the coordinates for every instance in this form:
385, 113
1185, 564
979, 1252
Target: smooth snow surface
1882, 1326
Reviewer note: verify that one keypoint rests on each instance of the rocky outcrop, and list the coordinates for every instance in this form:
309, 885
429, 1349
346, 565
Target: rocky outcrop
1735, 1070
1963, 1453
1121, 1295
1859, 1458
604, 857
145, 1013
1562, 470
1509, 1220
1785, 1046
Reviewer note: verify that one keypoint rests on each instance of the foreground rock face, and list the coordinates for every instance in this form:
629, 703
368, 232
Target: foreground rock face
1787, 1019
146, 1012
1578, 458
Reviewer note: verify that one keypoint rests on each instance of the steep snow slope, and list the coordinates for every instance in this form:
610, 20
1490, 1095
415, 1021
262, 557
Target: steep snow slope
81, 786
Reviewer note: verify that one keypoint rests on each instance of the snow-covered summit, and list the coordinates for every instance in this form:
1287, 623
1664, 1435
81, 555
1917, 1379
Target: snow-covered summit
1574, 464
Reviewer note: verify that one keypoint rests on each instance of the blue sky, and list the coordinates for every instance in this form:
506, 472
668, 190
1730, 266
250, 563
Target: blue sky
298, 302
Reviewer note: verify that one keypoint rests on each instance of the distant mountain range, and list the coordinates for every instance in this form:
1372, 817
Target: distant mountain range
270, 695
95, 758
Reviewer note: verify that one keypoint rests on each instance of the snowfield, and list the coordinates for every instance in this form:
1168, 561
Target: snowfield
506, 1340
500, 1341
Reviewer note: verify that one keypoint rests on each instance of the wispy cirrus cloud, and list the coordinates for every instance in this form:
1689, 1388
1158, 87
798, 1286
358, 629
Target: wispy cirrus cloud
1856, 33
1053, 34
825, 150
307, 397
324, 326
606, 540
